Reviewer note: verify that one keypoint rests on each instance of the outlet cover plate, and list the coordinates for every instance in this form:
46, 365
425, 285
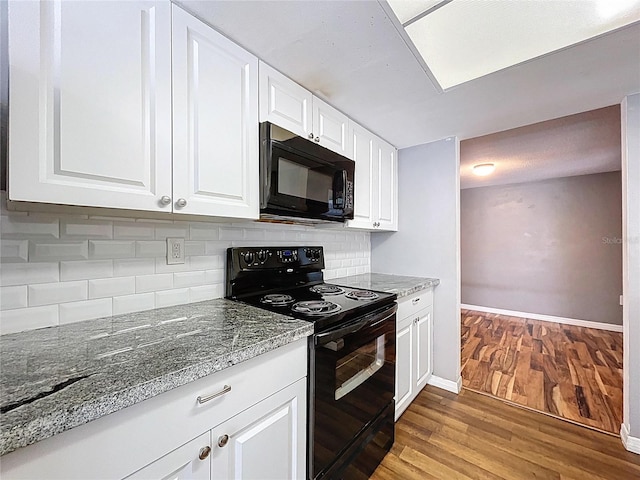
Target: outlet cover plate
175, 251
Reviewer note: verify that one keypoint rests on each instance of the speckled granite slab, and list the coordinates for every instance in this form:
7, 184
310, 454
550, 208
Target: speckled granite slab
54, 379
398, 284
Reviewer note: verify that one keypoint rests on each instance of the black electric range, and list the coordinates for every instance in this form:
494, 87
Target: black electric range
351, 372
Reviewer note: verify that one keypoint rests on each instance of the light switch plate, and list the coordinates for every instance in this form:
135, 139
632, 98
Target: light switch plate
175, 251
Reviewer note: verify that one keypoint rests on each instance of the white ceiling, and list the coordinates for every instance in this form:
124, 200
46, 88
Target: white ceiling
351, 54
579, 144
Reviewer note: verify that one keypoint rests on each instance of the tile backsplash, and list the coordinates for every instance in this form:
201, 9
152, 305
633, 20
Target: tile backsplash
62, 268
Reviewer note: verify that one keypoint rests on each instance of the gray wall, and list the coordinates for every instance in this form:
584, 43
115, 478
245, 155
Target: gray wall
426, 243
631, 246
551, 247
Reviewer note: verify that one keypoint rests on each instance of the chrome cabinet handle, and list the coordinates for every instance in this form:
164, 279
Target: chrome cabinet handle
311, 136
317, 139
204, 452
206, 398
165, 200
181, 203
415, 300
222, 440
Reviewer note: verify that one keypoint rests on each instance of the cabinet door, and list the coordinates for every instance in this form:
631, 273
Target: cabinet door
404, 374
364, 156
215, 122
423, 350
387, 182
266, 441
90, 103
284, 102
183, 463
331, 128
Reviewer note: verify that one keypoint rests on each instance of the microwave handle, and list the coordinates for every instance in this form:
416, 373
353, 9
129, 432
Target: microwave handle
265, 173
340, 188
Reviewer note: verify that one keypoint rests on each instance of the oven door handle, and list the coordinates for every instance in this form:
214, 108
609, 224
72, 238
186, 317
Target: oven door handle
370, 320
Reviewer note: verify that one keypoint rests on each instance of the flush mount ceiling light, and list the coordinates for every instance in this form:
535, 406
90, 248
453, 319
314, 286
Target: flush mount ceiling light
461, 40
484, 169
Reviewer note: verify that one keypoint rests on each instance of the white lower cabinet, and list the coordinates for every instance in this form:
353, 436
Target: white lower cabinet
414, 347
255, 428
184, 463
266, 441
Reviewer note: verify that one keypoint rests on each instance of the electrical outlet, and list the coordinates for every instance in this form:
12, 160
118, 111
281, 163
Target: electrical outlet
175, 251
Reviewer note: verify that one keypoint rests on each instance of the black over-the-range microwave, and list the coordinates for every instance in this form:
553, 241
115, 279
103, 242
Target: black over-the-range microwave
299, 178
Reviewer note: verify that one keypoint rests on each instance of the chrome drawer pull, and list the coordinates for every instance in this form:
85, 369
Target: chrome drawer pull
206, 398
415, 300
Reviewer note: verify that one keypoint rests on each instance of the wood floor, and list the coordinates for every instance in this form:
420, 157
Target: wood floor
570, 372
472, 436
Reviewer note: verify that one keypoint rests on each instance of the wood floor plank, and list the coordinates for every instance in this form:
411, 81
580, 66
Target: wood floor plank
446, 436
564, 370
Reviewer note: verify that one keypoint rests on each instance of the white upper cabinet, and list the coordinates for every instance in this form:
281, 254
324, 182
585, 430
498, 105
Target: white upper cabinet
331, 128
215, 122
290, 106
284, 102
90, 103
376, 182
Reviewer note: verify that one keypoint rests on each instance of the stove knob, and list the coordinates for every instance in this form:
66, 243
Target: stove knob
262, 256
248, 257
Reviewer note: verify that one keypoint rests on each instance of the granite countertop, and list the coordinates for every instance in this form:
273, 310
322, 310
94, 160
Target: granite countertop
398, 284
57, 378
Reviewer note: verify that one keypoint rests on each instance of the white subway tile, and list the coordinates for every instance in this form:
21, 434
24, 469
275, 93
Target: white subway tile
60, 292
134, 266
253, 234
14, 251
112, 249
22, 319
85, 310
188, 279
214, 276
151, 248
13, 297
203, 231
134, 231
352, 271
27, 273
216, 248
194, 248
111, 287
46, 251
167, 298
176, 230
205, 292
274, 235
162, 267
152, 283
72, 228
85, 270
228, 233
29, 227
205, 262
133, 303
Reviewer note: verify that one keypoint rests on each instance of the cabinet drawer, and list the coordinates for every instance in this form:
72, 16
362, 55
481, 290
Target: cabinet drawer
409, 306
117, 445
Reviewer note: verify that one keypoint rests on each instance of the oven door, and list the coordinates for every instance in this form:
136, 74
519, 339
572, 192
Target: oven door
352, 380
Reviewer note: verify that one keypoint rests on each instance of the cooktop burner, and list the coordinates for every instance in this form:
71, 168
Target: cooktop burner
277, 299
326, 289
315, 307
362, 295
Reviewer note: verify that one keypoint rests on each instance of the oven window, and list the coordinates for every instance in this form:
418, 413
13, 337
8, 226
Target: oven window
303, 182
358, 366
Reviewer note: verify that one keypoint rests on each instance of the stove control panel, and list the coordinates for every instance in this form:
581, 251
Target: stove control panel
264, 258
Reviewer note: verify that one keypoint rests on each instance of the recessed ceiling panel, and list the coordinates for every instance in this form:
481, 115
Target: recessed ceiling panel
405, 10
464, 39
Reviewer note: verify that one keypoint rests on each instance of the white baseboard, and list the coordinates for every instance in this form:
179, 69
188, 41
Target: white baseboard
630, 443
546, 318
448, 385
